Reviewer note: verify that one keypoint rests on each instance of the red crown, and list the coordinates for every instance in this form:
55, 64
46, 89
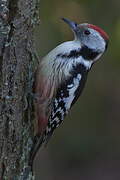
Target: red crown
103, 33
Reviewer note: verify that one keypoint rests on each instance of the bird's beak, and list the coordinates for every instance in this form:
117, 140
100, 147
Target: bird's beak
72, 24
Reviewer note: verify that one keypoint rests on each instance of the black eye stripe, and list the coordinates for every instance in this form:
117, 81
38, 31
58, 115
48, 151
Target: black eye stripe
86, 32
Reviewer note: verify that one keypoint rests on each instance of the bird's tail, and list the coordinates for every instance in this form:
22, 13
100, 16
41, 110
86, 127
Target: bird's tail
37, 142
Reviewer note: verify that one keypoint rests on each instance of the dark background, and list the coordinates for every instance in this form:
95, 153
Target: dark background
87, 145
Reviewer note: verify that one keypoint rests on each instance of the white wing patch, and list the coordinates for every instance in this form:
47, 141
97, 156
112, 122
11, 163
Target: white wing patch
71, 89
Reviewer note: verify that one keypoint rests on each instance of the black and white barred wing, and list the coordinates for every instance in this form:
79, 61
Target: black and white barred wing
66, 96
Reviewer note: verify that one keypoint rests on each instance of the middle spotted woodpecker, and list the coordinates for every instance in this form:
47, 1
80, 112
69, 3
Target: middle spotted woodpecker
61, 76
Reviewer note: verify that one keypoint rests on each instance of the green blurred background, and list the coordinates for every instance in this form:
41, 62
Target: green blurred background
87, 145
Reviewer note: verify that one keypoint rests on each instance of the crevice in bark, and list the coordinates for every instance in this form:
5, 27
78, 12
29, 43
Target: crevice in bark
13, 9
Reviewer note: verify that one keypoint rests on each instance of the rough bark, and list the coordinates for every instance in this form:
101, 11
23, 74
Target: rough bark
17, 62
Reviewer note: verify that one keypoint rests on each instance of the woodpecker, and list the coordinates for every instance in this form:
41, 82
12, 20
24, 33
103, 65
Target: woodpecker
61, 77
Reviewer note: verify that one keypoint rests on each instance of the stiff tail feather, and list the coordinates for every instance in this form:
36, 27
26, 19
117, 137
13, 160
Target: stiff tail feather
37, 142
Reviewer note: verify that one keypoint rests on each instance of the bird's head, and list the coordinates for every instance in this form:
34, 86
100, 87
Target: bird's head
93, 40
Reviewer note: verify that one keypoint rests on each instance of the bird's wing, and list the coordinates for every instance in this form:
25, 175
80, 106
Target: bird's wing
66, 95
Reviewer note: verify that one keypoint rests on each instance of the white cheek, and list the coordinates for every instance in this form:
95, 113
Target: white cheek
98, 45
96, 41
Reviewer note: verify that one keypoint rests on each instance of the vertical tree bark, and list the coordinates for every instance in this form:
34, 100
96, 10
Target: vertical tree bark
17, 62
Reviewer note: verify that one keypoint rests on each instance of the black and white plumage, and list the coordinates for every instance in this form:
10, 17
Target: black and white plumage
61, 76
66, 96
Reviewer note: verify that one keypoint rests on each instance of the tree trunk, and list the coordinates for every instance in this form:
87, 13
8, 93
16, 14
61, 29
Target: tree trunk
17, 62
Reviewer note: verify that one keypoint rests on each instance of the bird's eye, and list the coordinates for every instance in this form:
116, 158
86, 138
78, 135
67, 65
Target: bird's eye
75, 24
86, 32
